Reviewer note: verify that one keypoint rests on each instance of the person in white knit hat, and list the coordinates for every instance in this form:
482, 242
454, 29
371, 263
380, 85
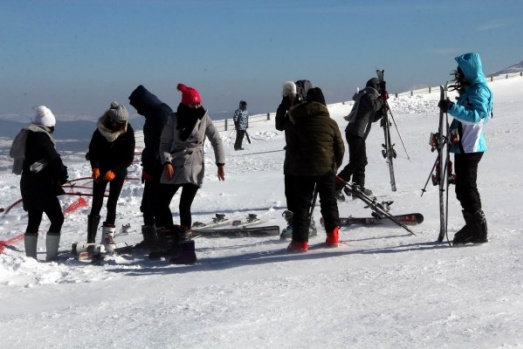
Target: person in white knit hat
43, 174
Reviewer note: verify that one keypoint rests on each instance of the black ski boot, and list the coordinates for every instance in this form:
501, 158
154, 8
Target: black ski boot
465, 234
92, 227
480, 234
166, 241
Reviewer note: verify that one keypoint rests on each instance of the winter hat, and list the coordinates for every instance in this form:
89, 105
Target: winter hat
316, 95
189, 95
117, 113
374, 83
289, 89
44, 116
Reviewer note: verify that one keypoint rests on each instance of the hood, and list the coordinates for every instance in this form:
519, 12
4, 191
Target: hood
143, 101
470, 64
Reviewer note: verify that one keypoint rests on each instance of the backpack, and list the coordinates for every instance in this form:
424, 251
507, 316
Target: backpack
302, 86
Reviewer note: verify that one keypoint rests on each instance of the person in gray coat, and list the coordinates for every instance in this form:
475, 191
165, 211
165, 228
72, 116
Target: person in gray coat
182, 156
371, 108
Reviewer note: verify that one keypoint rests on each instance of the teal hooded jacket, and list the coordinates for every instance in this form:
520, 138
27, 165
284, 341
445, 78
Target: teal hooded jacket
473, 107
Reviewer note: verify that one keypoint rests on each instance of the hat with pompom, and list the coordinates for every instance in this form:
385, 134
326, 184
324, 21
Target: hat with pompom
189, 95
44, 116
117, 113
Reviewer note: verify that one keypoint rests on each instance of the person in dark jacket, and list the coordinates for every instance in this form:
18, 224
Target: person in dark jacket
241, 123
371, 108
471, 112
315, 152
292, 95
111, 151
43, 174
155, 113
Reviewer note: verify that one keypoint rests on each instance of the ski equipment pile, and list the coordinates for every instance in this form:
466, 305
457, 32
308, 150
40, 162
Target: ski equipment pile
375, 206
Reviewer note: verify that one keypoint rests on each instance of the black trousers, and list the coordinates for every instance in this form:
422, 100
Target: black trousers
239, 139
53, 211
115, 188
466, 167
304, 188
357, 160
151, 190
167, 191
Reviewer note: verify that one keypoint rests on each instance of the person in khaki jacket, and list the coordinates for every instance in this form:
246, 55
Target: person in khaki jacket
315, 152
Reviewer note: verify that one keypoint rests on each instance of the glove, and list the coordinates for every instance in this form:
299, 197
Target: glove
109, 175
96, 173
384, 95
445, 105
146, 176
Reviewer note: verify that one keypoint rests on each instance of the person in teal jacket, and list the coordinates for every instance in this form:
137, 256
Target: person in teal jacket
471, 112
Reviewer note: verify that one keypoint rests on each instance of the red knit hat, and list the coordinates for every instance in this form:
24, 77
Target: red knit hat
189, 95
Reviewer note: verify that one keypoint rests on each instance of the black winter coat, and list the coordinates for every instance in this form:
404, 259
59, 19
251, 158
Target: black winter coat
38, 189
316, 147
156, 114
114, 155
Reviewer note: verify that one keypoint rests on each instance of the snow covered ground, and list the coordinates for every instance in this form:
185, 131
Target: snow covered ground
383, 288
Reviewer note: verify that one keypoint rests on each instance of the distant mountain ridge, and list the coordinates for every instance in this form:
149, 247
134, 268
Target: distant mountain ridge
516, 68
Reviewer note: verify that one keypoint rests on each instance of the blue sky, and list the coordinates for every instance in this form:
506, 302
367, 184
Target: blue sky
77, 56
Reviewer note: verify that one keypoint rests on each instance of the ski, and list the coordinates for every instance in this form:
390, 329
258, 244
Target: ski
388, 151
407, 219
218, 220
242, 231
374, 205
443, 149
441, 172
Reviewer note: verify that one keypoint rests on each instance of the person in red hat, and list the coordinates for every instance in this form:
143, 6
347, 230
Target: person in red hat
182, 156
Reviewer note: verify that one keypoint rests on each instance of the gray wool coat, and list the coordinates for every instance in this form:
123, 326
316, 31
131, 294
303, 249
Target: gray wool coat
187, 157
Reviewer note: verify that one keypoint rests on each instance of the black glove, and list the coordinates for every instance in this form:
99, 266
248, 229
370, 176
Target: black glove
445, 105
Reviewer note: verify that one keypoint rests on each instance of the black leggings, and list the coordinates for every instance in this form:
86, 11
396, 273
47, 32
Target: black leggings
466, 166
115, 188
167, 191
53, 212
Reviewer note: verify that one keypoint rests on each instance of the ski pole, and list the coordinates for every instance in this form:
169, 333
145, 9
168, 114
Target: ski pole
397, 130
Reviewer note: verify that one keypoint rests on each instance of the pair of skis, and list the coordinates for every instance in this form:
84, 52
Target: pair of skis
388, 151
237, 228
379, 210
441, 173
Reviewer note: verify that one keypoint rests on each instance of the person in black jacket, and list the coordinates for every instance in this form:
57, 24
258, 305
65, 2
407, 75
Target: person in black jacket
156, 114
43, 174
292, 95
371, 108
111, 151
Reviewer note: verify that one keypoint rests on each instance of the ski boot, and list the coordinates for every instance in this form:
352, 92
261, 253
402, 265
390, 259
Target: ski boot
286, 233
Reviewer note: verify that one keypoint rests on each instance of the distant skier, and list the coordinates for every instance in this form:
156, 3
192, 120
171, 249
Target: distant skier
111, 151
471, 112
156, 113
241, 123
43, 174
371, 107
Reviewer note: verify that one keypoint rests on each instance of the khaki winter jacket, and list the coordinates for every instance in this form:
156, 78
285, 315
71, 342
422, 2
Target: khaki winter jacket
187, 157
316, 147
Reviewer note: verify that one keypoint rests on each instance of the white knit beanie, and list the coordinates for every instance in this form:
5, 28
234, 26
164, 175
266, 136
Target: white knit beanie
44, 116
289, 89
